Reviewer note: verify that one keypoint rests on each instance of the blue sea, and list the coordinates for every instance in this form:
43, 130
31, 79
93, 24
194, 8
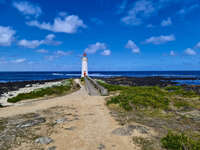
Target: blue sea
29, 76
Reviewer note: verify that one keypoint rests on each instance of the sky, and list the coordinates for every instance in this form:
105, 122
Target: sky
117, 35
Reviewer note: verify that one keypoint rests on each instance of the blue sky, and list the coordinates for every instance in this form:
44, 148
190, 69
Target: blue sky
134, 35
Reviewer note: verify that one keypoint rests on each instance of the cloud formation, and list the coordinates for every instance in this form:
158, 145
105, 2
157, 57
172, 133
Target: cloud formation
42, 51
17, 61
106, 52
160, 39
93, 48
141, 9
68, 24
172, 53
28, 8
186, 10
6, 36
63, 53
131, 45
57, 54
190, 51
166, 22
35, 43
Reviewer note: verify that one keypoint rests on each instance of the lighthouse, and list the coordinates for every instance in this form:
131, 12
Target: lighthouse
84, 65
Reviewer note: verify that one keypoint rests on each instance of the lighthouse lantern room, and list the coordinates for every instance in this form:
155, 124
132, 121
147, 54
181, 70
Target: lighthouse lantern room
84, 65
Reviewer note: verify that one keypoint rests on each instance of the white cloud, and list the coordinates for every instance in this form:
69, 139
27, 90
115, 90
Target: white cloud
160, 39
57, 54
6, 36
21, 60
93, 48
35, 43
172, 53
140, 10
190, 51
63, 53
68, 24
197, 45
131, 45
166, 22
188, 9
28, 8
42, 51
29, 44
106, 52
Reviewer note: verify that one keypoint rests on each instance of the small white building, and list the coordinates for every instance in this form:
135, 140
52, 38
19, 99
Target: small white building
84, 65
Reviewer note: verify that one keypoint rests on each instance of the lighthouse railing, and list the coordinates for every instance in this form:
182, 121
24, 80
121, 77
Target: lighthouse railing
103, 91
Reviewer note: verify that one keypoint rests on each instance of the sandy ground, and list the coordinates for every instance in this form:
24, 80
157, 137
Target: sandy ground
92, 128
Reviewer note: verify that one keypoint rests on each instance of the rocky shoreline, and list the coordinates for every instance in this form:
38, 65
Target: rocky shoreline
145, 81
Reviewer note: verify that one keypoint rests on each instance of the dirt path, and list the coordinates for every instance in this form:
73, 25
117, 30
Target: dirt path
90, 129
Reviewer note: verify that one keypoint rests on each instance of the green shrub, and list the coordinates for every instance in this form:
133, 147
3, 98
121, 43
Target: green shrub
82, 79
174, 141
179, 90
181, 103
139, 97
111, 87
54, 90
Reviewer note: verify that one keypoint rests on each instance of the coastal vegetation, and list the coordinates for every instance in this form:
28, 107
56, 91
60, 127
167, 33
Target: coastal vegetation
144, 97
56, 90
179, 141
173, 111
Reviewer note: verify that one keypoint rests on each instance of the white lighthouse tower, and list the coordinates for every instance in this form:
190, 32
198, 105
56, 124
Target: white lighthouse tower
84, 65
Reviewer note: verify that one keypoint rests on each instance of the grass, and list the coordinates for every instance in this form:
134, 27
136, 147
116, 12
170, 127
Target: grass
179, 90
49, 91
179, 141
111, 87
148, 97
140, 97
144, 143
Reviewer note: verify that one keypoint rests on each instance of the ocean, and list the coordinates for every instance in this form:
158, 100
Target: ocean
29, 76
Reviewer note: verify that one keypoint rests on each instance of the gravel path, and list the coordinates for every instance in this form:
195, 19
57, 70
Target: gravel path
90, 130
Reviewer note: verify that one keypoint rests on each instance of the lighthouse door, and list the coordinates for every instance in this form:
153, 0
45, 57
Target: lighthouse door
84, 74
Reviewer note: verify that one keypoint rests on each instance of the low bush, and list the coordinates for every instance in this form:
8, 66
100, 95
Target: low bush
148, 96
179, 90
175, 141
111, 87
140, 97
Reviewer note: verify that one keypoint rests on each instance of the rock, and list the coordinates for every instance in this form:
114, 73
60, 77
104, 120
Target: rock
101, 146
125, 131
43, 140
70, 128
121, 132
142, 129
28, 85
194, 115
30, 123
52, 148
61, 120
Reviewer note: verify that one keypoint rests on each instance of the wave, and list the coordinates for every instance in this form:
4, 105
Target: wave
72, 74
104, 75
57, 74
